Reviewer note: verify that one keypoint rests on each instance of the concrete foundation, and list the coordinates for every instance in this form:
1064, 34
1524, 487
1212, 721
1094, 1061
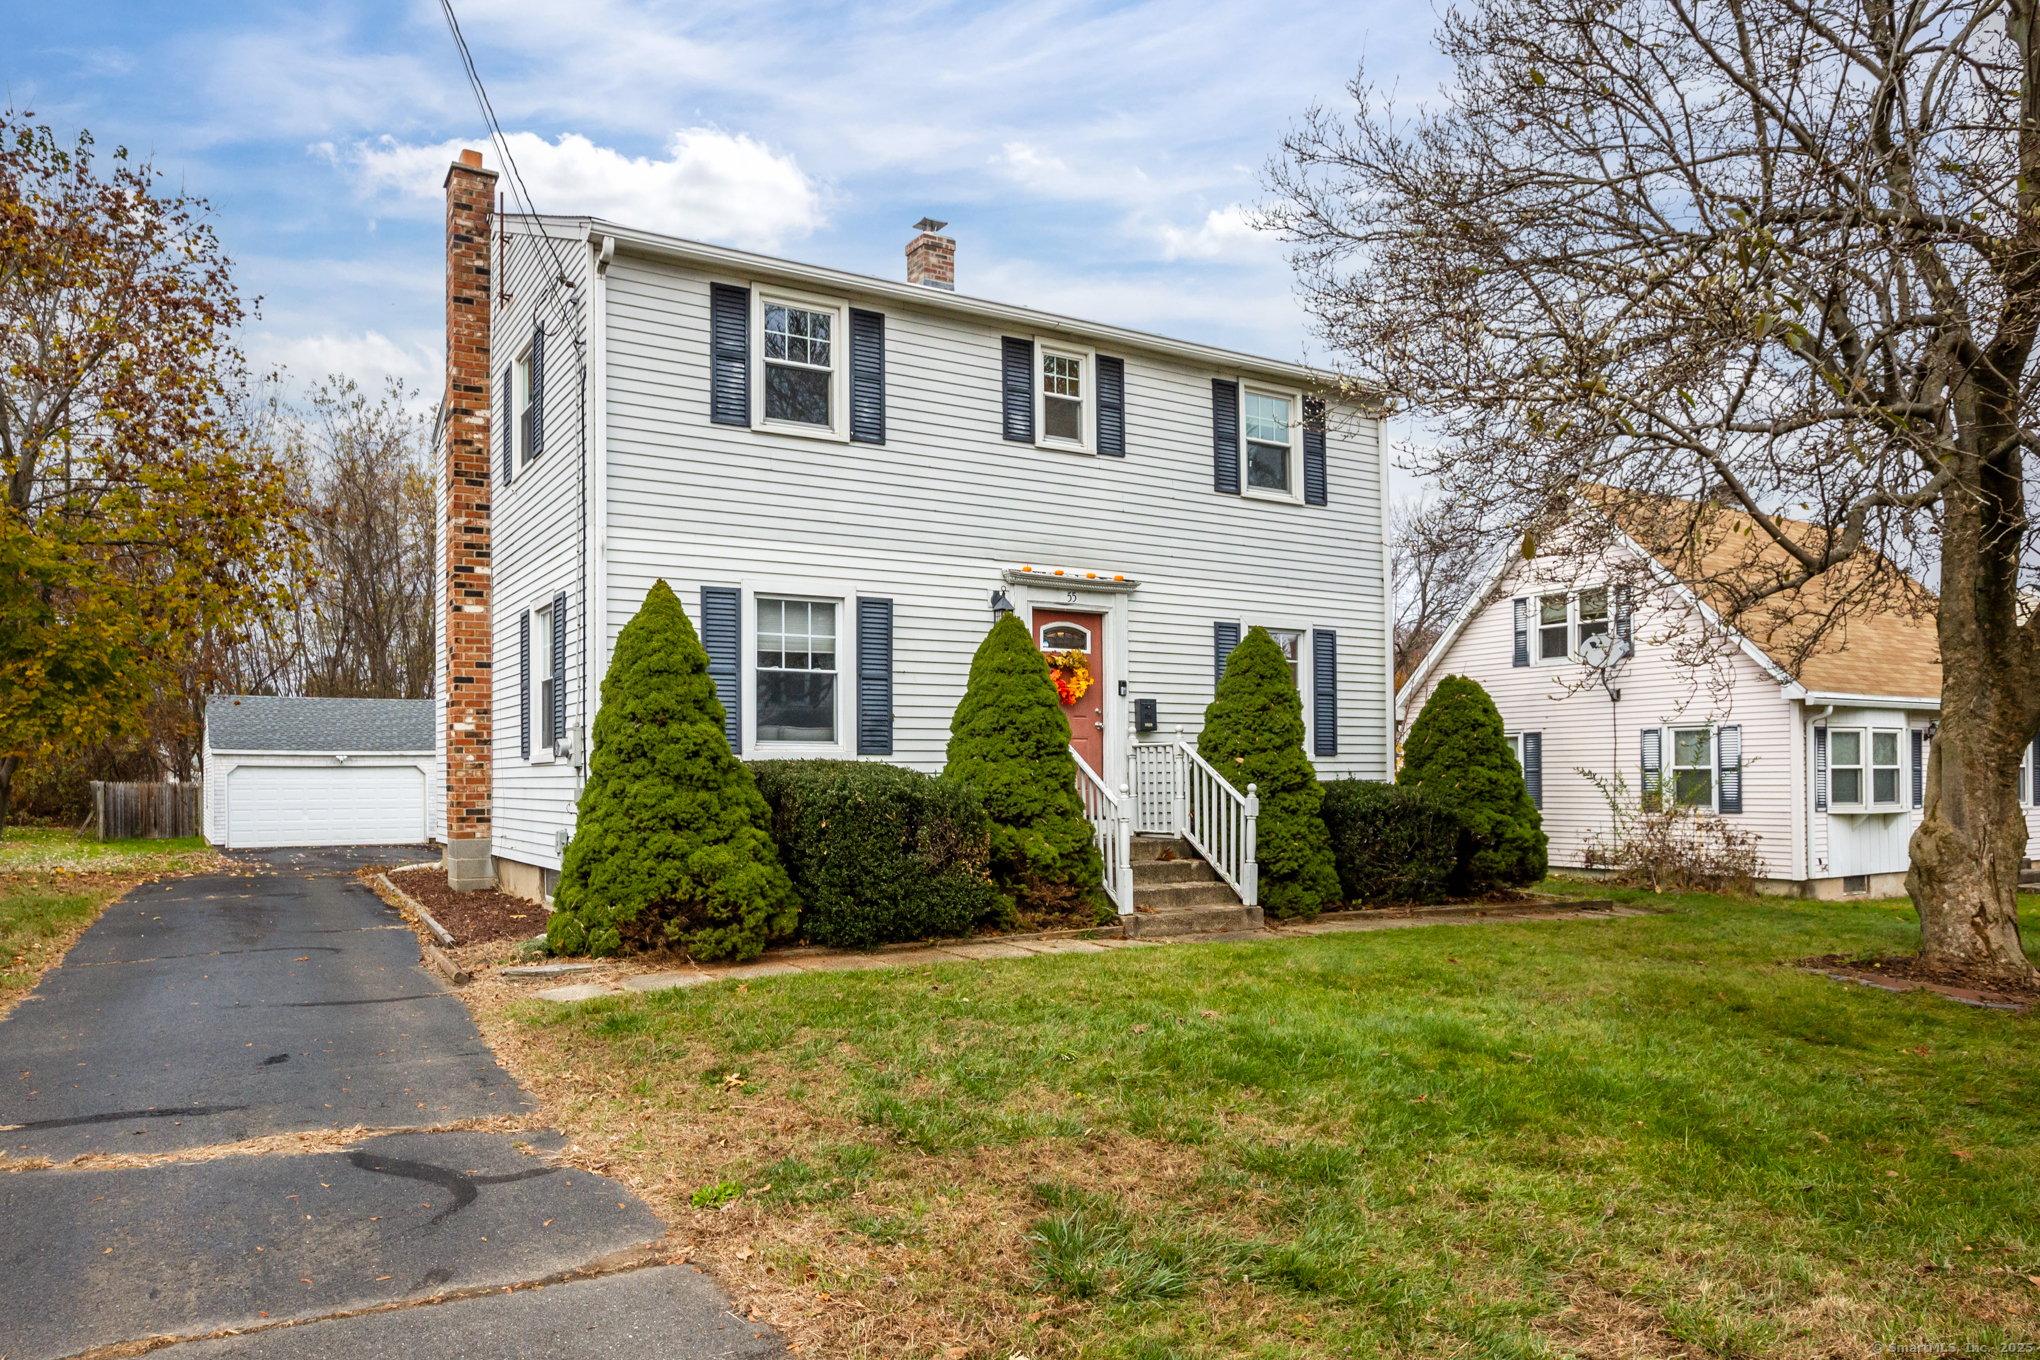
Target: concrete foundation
527, 881
469, 865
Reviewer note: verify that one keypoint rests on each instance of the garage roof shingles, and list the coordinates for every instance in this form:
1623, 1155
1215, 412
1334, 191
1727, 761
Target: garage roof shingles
260, 722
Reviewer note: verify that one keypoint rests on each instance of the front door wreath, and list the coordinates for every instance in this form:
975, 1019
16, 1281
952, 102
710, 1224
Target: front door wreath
1071, 672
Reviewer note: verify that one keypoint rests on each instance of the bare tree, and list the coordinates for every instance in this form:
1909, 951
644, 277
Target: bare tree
1778, 256
1436, 559
364, 627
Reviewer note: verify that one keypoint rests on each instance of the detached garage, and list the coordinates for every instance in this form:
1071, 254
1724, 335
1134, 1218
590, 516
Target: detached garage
285, 771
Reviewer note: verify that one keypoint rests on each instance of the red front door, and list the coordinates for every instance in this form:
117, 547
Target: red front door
1059, 632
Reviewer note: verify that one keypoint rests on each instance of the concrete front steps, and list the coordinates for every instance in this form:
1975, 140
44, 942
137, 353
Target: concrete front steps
1176, 893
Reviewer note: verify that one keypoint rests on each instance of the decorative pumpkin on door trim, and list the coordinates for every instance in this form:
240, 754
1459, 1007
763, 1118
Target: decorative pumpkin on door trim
1071, 672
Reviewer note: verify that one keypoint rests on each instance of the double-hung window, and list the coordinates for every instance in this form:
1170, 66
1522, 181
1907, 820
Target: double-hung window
1593, 615
1065, 396
1290, 640
1863, 769
800, 364
797, 689
1565, 620
1268, 427
1693, 767
520, 407
1554, 624
542, 671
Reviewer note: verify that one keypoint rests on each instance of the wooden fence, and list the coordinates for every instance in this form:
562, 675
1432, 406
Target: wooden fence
151, 811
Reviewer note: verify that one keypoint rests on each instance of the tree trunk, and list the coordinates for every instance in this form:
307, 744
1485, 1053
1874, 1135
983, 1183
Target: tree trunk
8, 765
1971, 842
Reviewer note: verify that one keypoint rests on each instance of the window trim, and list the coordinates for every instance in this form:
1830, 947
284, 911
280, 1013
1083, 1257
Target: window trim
1866, 763
1861, 765
1087, 429
844, 747
1669, 776
540, 680
520, 408
1294, 396
838, 428
1572, 626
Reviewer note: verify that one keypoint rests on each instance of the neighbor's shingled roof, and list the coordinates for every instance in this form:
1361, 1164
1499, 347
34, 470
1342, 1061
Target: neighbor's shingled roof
1884, 641
260, 722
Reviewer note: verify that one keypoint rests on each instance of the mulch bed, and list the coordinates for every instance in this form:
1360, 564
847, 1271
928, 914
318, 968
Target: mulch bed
473, 917
1962, 983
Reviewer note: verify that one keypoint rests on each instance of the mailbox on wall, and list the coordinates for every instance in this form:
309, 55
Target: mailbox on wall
1144, 718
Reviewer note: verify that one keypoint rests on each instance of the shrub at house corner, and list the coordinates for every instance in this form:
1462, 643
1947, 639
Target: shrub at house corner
1010, 741
671, 844
1457, 753
1253, 734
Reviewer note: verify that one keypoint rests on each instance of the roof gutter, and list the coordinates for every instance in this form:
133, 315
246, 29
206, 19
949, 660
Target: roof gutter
1872, 700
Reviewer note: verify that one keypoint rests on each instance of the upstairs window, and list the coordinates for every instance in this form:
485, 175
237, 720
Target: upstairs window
520, 406
1553, 623
800, 365
1593, 615
1062, 397
1268, 434
797, 670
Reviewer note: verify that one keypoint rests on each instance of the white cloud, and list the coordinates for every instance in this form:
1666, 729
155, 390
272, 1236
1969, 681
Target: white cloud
368, 357
1224, 232
712, 185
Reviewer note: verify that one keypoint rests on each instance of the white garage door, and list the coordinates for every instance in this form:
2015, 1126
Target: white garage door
325, 805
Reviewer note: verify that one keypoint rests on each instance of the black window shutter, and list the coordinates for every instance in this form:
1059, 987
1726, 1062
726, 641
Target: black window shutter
1728, 754
874, 677
1315, 490
536, 444
1224, 637
1112, 407
1522, 653
1016, 388
1919, 767
1820, 769
729, 354
509, 423
1324, 692
556, 721
524, 686
1653, 765
722, 632
1533, 767
1225, 437
867, 377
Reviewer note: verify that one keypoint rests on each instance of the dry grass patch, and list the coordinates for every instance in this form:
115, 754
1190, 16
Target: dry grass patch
1497, 1140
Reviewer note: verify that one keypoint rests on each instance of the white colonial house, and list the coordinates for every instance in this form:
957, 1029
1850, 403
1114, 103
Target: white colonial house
844, 479
1824, 762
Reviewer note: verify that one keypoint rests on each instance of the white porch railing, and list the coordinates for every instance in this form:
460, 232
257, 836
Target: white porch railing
1111, 831
1176, 793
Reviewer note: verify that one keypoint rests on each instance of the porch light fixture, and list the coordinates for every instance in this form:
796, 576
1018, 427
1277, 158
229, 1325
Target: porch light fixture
1001, 606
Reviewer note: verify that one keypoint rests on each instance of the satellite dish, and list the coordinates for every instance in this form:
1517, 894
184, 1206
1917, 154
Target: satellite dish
1602, 651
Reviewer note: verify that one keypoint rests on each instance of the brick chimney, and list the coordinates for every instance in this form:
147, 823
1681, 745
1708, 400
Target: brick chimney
931, 259
470, 196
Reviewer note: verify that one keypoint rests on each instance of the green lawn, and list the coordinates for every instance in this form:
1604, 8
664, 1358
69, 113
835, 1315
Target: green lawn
54, 883
1632, 1137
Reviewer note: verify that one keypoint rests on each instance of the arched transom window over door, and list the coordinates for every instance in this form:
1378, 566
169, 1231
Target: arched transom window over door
1065, 637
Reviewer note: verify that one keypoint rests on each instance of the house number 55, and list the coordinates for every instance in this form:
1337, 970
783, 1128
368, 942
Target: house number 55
1069, 597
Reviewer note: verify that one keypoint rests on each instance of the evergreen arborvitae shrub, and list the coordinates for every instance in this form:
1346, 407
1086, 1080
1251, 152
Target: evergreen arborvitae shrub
878, 853
671, 846
1456, 753
1390, 844
1253, 734
1010, 741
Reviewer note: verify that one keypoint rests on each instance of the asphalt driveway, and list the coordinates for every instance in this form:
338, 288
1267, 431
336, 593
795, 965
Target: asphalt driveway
210, 1010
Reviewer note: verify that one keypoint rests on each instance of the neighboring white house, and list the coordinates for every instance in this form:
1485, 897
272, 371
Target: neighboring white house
1826, 767
842, 477
288, 771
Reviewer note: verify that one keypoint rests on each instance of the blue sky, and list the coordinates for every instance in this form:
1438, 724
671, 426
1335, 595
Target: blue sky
1090, 159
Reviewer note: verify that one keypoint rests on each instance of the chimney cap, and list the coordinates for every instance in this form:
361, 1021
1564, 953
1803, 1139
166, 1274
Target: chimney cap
929, 224
471, 158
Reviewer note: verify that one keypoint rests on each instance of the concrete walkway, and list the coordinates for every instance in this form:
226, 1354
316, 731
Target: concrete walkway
229, 1109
